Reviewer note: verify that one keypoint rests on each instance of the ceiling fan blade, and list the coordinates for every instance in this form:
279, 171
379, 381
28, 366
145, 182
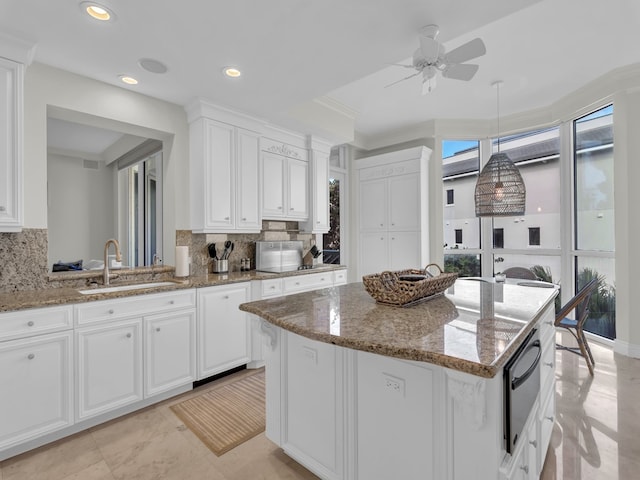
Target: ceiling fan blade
474, 48
462, 71
403, 79
430, 48
400, 65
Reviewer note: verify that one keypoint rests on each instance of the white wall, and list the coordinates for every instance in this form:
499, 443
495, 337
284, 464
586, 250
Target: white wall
110, 107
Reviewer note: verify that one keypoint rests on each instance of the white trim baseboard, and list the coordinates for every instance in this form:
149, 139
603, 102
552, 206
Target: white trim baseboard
626, 348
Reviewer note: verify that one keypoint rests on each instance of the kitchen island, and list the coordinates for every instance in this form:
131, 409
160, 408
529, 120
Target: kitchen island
359, 390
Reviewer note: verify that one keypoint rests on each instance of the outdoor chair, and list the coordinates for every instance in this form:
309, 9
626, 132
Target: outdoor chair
520, 272
579, 303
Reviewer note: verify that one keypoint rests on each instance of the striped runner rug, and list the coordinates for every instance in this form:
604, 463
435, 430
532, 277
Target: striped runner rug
227, 416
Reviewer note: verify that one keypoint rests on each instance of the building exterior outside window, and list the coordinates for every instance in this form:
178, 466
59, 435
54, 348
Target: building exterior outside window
450, 196
498, 238
534, 236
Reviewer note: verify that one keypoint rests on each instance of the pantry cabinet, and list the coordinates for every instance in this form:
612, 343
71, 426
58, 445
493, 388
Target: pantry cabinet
392, 206
11, 127
318, 193
225, 177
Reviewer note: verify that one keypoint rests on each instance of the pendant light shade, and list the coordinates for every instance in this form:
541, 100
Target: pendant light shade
500, 190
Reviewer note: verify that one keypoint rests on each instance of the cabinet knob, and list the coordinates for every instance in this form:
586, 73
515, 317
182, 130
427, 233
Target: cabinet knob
111, 312
3, 208
382, 225
533, 443
297, 283
272, 287
226, 218
381, 238
31, 356
30, 323
549, 364
393, 224
171, 302
525, 468
280, 208
549, 418
128, 335
393, 238
244, 219
291, 208
157, 329
226, 297
549, 322
322, 279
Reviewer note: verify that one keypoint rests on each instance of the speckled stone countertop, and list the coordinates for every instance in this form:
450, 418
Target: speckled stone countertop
22, 300
474, 327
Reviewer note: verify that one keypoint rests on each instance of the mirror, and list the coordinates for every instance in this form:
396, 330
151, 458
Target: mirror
102, 183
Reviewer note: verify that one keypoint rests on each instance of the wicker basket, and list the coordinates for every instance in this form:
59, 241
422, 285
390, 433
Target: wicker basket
387, 288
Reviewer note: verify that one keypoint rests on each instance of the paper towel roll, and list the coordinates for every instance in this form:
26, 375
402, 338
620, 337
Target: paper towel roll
182, 261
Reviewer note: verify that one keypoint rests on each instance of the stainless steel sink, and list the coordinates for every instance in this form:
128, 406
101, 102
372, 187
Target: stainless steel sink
124, 288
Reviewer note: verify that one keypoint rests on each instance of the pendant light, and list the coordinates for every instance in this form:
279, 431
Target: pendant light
500, 190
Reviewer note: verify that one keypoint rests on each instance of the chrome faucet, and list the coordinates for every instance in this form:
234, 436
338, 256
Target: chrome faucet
105, 273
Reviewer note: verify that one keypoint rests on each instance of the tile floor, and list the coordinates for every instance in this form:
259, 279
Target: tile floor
595, 437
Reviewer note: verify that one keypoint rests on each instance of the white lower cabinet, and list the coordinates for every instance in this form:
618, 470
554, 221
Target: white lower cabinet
109, 362
395, 402
169, 351
223, 330
36, 385
314, 418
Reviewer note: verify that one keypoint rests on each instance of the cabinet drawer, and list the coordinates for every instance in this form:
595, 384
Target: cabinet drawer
105, 310
301, 283
340, 277
33, 322
271, 288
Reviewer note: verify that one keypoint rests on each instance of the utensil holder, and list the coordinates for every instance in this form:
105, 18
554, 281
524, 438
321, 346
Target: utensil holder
220, 266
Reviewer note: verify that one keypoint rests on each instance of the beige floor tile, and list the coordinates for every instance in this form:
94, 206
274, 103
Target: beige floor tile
99, 471
54, 462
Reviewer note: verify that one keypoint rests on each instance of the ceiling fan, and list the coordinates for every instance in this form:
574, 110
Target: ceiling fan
431, 58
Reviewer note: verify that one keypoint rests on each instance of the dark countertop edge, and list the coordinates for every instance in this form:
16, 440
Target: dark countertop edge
28, 299
411, 354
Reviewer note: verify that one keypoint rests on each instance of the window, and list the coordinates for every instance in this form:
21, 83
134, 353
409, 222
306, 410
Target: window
458, 235
498, 238
593, 214
331, 239
450, 196
534, 236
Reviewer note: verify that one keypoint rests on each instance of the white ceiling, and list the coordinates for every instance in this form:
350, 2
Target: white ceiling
294, 51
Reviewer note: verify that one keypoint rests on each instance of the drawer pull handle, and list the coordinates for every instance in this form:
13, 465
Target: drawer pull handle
128, 335
534, 443
31, 356
30, 323
111, 311
549, 364
525, 468
157, 329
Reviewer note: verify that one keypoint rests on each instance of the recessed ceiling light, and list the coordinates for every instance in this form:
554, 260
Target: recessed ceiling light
128, 80
231, 72
97, 11
153, 66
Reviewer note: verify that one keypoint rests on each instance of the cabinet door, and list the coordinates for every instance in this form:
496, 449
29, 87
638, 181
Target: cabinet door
404, 250
273, 185
219, 153
223, 336
36, 378
373, 205
314, 416
109, 362
374, 253
11, 216
169, 351
404, 202
395, 401
320, 199
248, 181
297, 178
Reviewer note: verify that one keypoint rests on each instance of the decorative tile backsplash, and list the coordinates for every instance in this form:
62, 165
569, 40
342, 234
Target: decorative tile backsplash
23, 255
244, 244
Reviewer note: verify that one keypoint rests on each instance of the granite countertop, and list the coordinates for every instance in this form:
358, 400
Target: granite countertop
474, 327
21, 300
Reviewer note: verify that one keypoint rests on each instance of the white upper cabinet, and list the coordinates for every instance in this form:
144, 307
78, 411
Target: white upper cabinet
11, 196
318, 193
225, 182
285, 181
